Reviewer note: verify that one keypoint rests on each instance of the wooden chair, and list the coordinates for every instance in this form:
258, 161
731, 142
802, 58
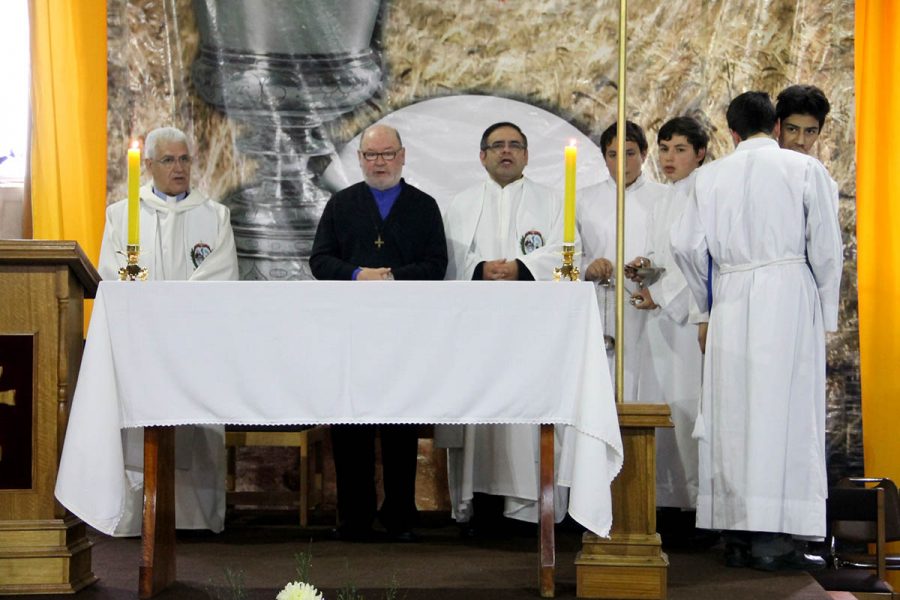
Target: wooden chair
862, 513
308, 443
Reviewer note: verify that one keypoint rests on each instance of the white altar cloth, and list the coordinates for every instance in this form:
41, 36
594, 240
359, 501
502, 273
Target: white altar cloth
315, 352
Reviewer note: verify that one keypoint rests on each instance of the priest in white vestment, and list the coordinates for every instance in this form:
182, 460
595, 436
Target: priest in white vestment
184, 236
668, 352
506, 228
596, 218
765, 216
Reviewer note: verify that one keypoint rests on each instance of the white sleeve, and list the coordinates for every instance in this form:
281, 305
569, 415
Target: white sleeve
824, 248
691, 252
543, 261
461, 261
670, 291
672, 295
111, 246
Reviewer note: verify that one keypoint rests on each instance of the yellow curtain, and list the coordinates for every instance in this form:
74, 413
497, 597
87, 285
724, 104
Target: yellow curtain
68, 107
878, 233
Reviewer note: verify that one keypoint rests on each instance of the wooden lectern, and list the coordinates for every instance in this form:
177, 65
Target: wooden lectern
43, 284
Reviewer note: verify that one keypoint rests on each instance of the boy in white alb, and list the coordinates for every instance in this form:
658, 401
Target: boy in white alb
765, 216
596, 218
670, 357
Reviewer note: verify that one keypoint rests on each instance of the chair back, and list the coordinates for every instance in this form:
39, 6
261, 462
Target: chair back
853, 510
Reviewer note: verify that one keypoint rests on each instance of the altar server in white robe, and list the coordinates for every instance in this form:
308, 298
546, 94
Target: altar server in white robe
801, 111
670, 358
765, 216
184, 236
596, 218
505, 228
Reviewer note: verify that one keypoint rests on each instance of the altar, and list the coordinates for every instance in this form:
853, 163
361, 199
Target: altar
306, 353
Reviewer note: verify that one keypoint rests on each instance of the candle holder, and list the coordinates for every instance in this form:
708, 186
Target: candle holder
133, 271
568, 271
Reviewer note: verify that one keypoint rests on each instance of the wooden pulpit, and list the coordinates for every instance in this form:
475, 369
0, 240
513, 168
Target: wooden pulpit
43, 284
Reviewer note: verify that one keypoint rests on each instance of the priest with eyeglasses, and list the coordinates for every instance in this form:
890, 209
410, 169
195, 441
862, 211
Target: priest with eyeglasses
380, 229
505, 228
184, 235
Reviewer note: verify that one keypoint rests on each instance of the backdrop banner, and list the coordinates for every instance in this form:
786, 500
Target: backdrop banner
273, 93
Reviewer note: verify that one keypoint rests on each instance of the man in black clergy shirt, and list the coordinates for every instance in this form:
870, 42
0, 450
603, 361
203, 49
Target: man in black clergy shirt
381, 229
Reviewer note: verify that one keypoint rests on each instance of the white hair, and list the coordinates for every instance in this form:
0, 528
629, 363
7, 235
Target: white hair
163, 135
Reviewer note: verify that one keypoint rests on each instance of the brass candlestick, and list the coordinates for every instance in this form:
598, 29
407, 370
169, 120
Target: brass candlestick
568, 271
133, 271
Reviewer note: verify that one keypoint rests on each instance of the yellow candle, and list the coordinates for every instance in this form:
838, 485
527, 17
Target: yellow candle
134, 184
569, 209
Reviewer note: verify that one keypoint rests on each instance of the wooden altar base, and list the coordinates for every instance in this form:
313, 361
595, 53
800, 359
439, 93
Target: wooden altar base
631, 563
158, 569
44, 557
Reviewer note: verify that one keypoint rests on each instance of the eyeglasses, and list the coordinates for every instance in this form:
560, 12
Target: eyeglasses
500, 146
387, 155
168, 162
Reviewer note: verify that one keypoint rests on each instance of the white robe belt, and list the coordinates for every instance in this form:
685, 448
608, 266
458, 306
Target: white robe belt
787, 260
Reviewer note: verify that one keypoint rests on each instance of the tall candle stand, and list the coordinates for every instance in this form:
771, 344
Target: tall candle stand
568, 271
133, 271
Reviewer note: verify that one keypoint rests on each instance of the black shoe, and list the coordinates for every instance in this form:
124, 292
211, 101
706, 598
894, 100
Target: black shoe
356, 534
467, 531
737, 556
792, 561
403, 537
703, 539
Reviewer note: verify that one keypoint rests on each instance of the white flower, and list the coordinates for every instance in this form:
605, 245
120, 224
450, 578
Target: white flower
297, 590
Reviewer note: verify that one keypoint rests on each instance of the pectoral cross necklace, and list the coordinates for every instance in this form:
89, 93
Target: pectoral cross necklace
376, 216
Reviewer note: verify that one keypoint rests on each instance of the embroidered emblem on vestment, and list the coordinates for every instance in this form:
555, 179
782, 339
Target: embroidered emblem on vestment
199, 253
531, 241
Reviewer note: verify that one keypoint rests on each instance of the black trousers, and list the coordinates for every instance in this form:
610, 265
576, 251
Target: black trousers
354, 462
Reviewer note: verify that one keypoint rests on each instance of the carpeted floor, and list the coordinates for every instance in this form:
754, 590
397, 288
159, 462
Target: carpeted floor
262, 551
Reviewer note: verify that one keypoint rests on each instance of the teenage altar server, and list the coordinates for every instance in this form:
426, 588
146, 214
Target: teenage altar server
596, 219
765, 216
506, 228
670, 358
801, 112
184, 236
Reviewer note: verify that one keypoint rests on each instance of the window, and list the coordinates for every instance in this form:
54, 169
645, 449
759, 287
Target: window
14, 77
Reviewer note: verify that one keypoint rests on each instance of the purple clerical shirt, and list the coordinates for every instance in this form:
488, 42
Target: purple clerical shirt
385, 200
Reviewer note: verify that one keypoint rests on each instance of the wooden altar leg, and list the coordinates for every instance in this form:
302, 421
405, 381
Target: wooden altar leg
548, 537
158, 534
